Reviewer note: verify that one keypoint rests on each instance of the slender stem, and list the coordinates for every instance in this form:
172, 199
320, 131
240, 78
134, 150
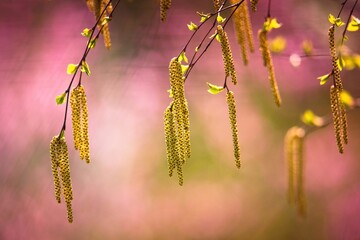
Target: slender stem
347, 22
194, 60
268, 10
86, 52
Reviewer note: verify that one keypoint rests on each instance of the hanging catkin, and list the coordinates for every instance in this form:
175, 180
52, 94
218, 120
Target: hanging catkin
79, 113
227, 55
61, 172
176, 122
264, 48
243, 29
337, 107
294, 151
230, 99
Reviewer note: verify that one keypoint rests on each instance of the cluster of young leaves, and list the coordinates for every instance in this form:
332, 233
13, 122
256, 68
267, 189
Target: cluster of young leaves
346, 60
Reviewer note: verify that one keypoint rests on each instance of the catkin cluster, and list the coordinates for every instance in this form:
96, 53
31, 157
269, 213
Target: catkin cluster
253, 4
176, 122
97, 7
227, 55
230, 99
243, 29
267, 59
294, 151
164, 6
337, 107
79, 114
61, 172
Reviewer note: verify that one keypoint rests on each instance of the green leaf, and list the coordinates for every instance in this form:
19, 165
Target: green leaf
278, 44
354, 24
213, 89
192, 26
183, 57
309, 118
184, 68
323, 79
335, 21
271, 23
341, 63
71, 68
86, 32
106, 20
220, 19
85, 68
347, 99
203, 16
60, 98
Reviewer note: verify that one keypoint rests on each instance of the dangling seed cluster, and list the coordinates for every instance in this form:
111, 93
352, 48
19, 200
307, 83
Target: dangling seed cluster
267, 59
164, 6
337, 107
227, 55
230, 99
61, 172
243, 30
176, 123
253, 4
79, 113
294, 151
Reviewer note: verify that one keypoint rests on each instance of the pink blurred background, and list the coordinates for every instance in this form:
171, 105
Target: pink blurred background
125, 192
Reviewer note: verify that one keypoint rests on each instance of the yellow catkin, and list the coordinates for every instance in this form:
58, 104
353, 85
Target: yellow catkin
54, 146
230, 99
84, 146
180, 125
69, 212
335, 109
289, 153
334, 59
299, 152
264, 48
75, 117
294, 151
105, 29
248, 27
61, 171
227, 55
239, 25
253, 4
65, 169
164, 6
187, 131
170, 139
344, 123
